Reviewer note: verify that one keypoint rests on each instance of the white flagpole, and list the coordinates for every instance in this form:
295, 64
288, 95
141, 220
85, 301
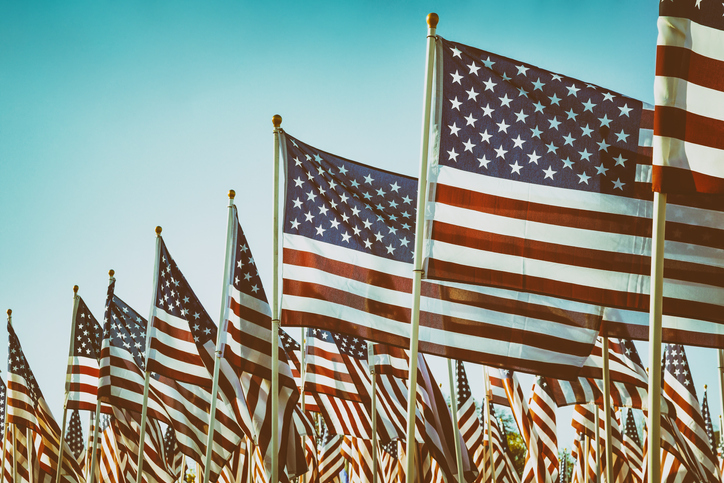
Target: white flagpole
655, 312
302, 375
277, 122
607, 410
29, 447
456, 431
147, 382
15, 453
67, 383
587, 452
598, 444
230, 245
488, 399
373, 411
5, 435
432, 20
720, 353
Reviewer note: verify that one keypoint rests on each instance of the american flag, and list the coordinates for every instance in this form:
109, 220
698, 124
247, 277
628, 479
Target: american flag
563, 470
331, 461
497, 387
471, 430
174, 457
677, 463
310, 456
543, 185
632, 448
504, 469
3, 401
74, 436
433, 420
689, 96
16, 448
109, 458
294, 353
247, 351
82, 376
584, 422
542, 414
578, 453
182, 348
27, 408
392, 471
358, 452
678, 386
707, 421
347, 266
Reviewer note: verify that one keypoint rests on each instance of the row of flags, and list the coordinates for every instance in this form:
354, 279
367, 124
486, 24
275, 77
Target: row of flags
537, 240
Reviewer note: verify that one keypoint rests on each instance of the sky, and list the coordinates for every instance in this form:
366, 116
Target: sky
116, 117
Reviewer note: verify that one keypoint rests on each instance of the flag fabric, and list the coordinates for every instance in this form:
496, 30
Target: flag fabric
351, 225
471, 430
578, 453
27, 408
542, 414
584, 422
74, 437
181, 351
294, 353
83, 368
689, 95
174, 457
542, 184
331, 460
392, 471
497, 386
504, 469
247, 353
16, 448
358, 452
677, 463
706, 415
678, 386
632, 448
109, 457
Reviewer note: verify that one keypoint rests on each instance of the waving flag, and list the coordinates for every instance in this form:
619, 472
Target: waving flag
632, 448
347, 267
83, 369
542, 184
689, 94
542, 413
471, 430
331, 460
74, 436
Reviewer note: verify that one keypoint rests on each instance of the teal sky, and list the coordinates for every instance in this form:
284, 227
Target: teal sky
116, 117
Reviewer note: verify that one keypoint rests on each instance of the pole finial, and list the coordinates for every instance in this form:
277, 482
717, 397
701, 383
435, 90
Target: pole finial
158, 231
705, 386
277, 120
111, 272
432, 20
232, 194
75, 289
10, 312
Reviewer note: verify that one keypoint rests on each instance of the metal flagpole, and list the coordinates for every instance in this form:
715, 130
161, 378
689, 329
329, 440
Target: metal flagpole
607, 410
147, 382
720, 352
655, 312
432, 20
598, 444
5, 435
29, 447
67, 383
454, 405
373, 411
587, 452
277, 122
94, 443
488, 400
302, 375
230, 245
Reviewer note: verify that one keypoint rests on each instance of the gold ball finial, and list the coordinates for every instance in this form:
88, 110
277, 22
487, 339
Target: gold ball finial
111, 272
432, 20
705, 386
158, 231
232, 194
10, 312
75, 289
277, 120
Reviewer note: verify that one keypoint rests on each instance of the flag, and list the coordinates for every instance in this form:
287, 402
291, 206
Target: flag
471, 430
181, 350
392, 471
632, 448
74, 437
331, 460
563, 470
689, 95
109, 458
504, 469
706, 415
247, 353
27, 408
542, 184
542, 414
174, 457
294, 353
16, 448
358, 452
678, 386
348, 236
82, 375
584, 422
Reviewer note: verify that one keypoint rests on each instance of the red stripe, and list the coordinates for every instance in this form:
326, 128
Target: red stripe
680, 124
668, 179
680, 62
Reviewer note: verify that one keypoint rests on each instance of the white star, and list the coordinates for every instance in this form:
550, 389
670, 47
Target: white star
452, 155
533, 158
567, 163
334, 224
571, 114
311, 196
500, 152
454, 129
456, 77
343, 170
485, 136
309, 216
522, 69
538, 84
522, 92
390, 249
556, 77
323, 210
490, 85
583, 178
608, 97
588, 106
622, 136
601, 169
394, 187
472, 94
515, 168
505, 77
369, 179
538, 106
456, 52
549, 173
625, 110
605, 121
552, 148
469, 146
345, 237
502, 126
618, 184
368, 243
298, 182
379, 236
487, 110
518, 142
620, 161
404, 242
585, 154
520, 116
488, 63
483, 162
568, 140
295, 226
455, 103
473, 69
555, 99
603, 145
573, 90
470, 120
505, 101
554, 123
586, 131
535, 132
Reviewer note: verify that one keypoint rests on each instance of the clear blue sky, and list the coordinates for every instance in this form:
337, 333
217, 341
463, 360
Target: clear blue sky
116, 117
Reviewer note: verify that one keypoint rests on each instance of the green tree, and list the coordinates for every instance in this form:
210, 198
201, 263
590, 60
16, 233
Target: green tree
516, 445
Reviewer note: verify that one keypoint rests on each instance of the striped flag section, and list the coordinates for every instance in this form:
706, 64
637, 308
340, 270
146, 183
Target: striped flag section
706, 415
358, 453
469, 424
677, 464
584, 422
82, 375
331, 460
294, 353
16, 448
27, 408
351, 225
632, 447
542, 413
74, 437
504, 469
543, 184
689, 95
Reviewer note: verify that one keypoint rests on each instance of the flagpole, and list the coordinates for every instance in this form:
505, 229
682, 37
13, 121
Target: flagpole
655, 312
5, 434
587, 452
488, 401
29, 447
720, 353
607, 409
302, 375
277, 122
373, 410
230, 245
15, 439
432, 20
67, 382
598, 444
147, 381
456, 431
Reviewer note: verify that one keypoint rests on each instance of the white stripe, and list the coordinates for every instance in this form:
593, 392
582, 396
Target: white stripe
675, 92
646, 137
690, 156
683, 32
630, 317
192, 364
